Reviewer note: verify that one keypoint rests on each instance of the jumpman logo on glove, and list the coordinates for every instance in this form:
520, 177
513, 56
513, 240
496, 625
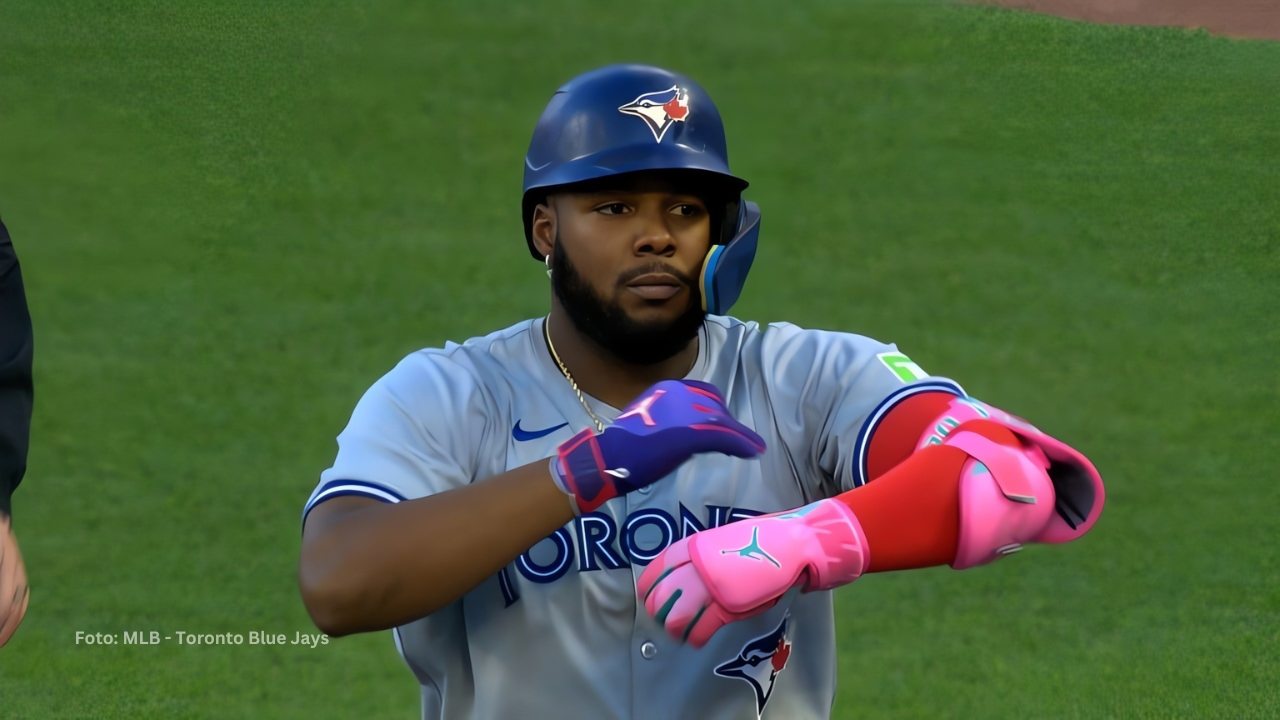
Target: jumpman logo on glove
670, 423
753, 550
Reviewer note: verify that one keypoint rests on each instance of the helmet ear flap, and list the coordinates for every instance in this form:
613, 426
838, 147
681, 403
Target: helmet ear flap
724, 271
725, 225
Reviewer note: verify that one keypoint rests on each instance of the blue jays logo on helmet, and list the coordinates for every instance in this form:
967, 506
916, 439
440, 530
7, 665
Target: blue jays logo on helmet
760, 661
660, 110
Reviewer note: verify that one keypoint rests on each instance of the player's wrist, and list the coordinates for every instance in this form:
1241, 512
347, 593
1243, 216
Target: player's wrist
581, 470
558, 478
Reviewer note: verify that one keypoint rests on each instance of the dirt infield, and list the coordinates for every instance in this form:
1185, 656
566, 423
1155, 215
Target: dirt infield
1235, 18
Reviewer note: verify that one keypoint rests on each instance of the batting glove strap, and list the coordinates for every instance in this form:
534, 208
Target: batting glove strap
579, 469
839, 555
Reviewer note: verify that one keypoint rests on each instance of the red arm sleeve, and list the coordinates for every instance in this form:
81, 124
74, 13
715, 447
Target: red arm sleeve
897, 435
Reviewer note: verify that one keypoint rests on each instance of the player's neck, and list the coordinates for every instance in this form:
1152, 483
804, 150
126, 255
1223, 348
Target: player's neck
602, 375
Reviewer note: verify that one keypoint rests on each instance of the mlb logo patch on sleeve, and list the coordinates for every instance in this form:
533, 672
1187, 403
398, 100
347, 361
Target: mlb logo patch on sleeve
902, 366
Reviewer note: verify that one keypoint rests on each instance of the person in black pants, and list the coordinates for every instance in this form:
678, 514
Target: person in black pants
15, 430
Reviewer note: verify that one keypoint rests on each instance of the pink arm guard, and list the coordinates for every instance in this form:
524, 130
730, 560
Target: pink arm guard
1045, 491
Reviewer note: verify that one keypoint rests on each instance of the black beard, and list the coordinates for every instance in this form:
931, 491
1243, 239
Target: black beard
609, 326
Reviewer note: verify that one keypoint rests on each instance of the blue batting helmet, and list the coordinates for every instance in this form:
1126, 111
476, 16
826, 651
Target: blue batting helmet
635, 118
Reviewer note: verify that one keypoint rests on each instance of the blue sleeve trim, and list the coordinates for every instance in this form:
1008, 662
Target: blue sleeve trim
342, 488
863, 443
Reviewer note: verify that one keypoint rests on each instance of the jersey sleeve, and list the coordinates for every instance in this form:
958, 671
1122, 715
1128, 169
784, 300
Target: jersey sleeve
417, 431
826, 389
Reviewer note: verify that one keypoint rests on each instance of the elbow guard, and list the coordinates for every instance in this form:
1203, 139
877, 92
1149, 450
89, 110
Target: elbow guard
1043, 491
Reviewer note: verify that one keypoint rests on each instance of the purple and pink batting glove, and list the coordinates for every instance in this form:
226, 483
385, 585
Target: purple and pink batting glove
732, 572
670, 423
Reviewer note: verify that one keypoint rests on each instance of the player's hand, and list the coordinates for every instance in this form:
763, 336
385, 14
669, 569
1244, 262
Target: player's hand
13, 582
736, 571
670, 423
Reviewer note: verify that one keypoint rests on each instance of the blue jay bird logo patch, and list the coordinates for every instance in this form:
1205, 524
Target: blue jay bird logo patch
660, 109
760, 661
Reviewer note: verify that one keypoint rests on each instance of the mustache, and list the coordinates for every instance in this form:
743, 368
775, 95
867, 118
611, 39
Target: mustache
657, 267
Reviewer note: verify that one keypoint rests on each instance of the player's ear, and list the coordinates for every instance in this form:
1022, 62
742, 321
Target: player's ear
543, 228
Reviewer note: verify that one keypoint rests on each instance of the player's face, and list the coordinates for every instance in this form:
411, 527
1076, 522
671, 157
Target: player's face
626, 264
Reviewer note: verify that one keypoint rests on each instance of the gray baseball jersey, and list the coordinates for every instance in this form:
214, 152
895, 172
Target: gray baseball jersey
558, 633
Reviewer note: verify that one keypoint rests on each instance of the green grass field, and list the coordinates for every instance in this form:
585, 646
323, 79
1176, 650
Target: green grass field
233, 217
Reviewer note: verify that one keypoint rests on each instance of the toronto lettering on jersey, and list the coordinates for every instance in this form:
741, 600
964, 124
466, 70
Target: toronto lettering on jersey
595, 542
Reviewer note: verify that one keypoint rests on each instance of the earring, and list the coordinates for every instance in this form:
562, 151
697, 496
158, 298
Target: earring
547, 261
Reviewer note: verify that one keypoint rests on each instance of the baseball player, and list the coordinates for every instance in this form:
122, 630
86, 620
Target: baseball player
633, 506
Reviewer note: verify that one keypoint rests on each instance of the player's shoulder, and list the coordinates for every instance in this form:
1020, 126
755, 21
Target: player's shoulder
776, 337
475, 352
784, 349
472, 366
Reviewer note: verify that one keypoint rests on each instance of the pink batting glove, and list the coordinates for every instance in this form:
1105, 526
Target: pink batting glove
736, 571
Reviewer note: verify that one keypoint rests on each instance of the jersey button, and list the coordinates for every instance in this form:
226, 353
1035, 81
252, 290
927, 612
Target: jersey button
646, 489
648, 650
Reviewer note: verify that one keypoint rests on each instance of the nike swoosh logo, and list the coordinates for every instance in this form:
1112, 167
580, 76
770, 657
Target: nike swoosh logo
522, 435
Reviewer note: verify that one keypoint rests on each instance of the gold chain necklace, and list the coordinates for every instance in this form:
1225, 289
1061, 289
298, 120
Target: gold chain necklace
546, 333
